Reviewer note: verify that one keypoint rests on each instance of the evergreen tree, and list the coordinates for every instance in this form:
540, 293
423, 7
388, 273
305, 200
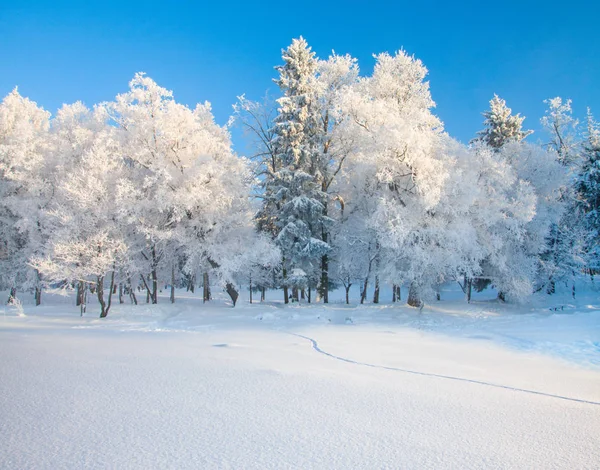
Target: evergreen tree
294, 202
501, 125
588, 193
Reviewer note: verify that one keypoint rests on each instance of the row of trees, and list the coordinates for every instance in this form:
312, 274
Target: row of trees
353, 180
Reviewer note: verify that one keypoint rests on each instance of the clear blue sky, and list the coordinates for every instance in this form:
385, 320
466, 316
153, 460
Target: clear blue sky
59, 52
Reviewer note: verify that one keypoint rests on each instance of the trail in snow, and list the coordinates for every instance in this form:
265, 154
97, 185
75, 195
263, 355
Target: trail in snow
318, 349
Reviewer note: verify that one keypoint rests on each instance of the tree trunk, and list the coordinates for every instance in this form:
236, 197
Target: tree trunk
83, 293
502, 296
38, 288
394, 293
132, 293
309, 294
262, 294
111, 289
437, 292
154, 293
12, 296
363, 295
38, 295
100, 295
172, 296
376, 292
469, 289
79, 294
205, 287
414, 297
233, 293
295, 294
286, 294
251, 289
399, 293
121, 293
324, 288
347, 293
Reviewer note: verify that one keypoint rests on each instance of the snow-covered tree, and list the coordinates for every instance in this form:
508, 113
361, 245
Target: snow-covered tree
588, 193
86, 244
25, 188
293, 198
562, 128
501, 126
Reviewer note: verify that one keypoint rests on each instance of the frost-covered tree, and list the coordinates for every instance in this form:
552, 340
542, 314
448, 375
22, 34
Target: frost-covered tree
294, 199
562, 128
25, 189
401, 166
501, 126
562, 259
86, 244
588, 193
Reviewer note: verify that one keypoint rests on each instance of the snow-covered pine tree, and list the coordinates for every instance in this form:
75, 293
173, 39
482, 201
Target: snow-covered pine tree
588, 193
501, 126
293, 198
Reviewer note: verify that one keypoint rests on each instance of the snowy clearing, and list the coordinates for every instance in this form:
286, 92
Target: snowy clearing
265, 386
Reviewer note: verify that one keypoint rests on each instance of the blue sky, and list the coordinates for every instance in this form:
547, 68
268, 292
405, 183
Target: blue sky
60, 52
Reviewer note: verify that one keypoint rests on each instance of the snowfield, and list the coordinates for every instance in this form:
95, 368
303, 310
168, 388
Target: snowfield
195, 385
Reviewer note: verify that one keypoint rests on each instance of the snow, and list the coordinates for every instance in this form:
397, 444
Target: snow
196, 385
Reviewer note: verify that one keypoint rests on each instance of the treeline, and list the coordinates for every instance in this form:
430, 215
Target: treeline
353, 180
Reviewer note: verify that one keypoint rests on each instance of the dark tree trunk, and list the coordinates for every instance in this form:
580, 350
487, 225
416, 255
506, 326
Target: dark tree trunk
38, 296
394, 293
286, 294
437, 292
154, 293
376, 292
250, 289
303, 294
363, 294
111, 289
232, 292
100, 295
12, 296
172, 296
502, 296
324, 288
347, 293
229, 287
295, 294
121, 300
205, 287
79, 296
398, 293
469, 289
309, 294
262, 294
414, 297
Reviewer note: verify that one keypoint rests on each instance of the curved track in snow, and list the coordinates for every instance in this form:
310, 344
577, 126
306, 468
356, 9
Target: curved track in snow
318, 349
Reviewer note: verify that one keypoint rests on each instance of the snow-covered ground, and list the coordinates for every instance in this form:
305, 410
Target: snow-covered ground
196, 385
